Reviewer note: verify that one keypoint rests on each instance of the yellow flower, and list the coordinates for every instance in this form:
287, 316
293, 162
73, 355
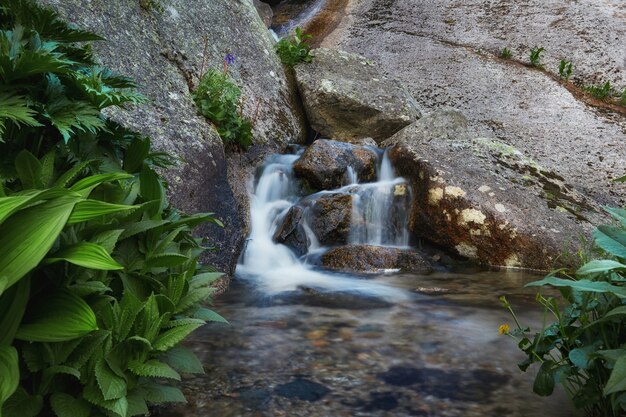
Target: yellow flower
504, 329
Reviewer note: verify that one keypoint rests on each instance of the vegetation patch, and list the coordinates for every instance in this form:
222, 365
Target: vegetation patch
584, 349
294, 49
99, 274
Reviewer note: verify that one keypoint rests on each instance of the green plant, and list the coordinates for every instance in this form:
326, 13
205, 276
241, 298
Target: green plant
585, 348
217, 98
506, 53
622, 99
535, 56
152, 5
294, 49
99, 279
565, 69
601, 92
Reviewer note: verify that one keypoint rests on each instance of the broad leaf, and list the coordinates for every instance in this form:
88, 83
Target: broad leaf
92, 209
111, 385
57, 317
28, 170
12, 306
154, 369
64, 405
209, 315
611, 239
600, 266
9, 373
174, 336
617, 380
29, 235
157, 394
581, 285
22, 404
166, 260
183, 360
88, 255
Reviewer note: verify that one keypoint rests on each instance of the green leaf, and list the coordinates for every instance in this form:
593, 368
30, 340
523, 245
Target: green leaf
83, 289
183, 360
9, 373
616, 312
600, 266
89, 183
57, 317
618, 213
29, 235
544, 381
580, 356
166, 260
9, 205
87, 348
64, 405
22, 404
209, 315
137, 404
136, 154
153, 368
617, 380
47, 168
68, 176
107, 239
12, 306
87, 210
140, 227
193, 297
157, 394
174, 336
194, 220
112, 386
205, 279
581, 285
151, 187
28, 170
611, 239
15, 109
118, 406
88, 255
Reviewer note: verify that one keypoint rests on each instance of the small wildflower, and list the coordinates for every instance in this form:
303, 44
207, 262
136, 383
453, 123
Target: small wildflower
504, 329
229, 59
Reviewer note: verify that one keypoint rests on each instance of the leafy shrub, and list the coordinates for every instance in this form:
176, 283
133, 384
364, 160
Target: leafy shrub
535, 56
506, 53
565, 69
99, 279
294, 49
585, 348
217, 98
601, 92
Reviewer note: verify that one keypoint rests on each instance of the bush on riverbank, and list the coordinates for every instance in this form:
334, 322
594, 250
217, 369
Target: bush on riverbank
99, 279
585, 348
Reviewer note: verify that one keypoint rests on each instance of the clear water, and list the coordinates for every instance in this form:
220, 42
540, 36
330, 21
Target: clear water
438, 354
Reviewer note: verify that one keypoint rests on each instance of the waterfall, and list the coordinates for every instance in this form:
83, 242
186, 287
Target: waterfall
274, 267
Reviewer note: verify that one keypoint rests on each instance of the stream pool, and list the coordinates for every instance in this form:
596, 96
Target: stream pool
437, 354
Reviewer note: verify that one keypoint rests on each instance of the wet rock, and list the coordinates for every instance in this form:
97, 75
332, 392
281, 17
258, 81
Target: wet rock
476, 386
291, 232
346, 97
324, 165
162, 52
326, 299
330, 218
367, 258
265, 12
255, 398
302, 389
488, 202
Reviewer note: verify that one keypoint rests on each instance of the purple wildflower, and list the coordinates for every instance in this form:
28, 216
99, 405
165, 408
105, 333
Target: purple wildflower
229, 59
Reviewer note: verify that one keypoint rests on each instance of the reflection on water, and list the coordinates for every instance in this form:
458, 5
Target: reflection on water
437, 355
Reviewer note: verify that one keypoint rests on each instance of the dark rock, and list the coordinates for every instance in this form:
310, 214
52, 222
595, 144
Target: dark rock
265, 12
367, 258
330, 218
291, 231
325, 163
302, 389
487, 201
255, 398
346, 97
163, 53
476, 386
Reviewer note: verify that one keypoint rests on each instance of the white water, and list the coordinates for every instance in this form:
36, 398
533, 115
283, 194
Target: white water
273, 267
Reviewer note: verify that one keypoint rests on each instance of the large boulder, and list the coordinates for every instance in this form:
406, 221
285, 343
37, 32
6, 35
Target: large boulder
367, 258
346, 97
487, 201
324, 164
164, 52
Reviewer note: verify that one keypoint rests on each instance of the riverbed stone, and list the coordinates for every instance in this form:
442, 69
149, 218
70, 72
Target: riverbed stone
488, 202
290, 231
369, 258
324, 164
330, 218
346, 97
163, 51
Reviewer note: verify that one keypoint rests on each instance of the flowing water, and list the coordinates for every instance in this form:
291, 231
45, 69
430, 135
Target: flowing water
303, 342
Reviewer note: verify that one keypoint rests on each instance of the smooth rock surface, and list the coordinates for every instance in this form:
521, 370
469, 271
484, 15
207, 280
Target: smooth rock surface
446, 53
346, 97
290, 231
368, 258
489, 202
324, 164
163, 52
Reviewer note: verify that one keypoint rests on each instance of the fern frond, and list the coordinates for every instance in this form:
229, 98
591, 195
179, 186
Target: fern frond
15, 109
72, 116
104, 88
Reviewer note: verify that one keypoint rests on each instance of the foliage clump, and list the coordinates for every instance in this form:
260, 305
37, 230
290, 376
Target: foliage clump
99, 275
294, 49
217, 98
584, 349
535, 56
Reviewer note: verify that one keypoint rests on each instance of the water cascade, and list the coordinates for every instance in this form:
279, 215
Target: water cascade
378, 218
